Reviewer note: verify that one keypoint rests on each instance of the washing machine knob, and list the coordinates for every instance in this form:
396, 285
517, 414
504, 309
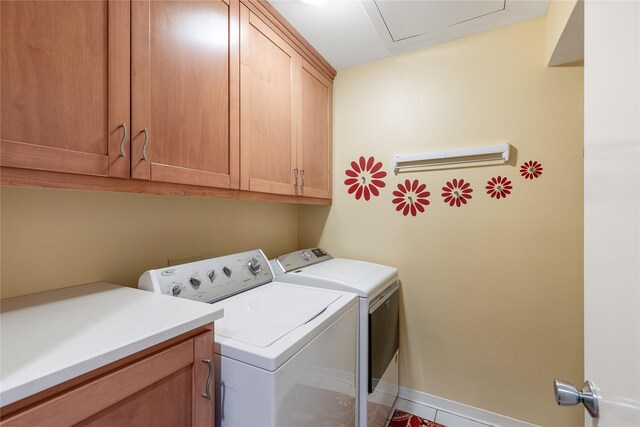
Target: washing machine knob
254, 266
176, 290
305, 255
195, 281
227, 271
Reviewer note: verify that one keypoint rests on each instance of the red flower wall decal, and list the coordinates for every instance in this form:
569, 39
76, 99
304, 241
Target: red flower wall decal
364, 178
499, 187
457, 192
531, 169
411, 197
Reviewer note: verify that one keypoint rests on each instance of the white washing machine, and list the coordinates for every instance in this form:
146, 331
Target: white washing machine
286, 355
378, 289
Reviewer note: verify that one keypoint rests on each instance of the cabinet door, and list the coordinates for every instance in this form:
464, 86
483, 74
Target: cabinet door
65, 86
267, 133
168, 388
182, 86
314, 132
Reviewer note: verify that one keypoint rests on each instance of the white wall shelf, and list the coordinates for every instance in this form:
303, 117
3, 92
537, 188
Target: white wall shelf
452, 157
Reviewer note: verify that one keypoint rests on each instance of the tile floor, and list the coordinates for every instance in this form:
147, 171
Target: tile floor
433, 414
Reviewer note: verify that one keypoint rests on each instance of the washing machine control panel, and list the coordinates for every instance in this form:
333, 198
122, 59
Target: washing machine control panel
212, 279
300, 259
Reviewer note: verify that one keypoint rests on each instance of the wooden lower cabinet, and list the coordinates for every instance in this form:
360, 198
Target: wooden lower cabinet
170, 387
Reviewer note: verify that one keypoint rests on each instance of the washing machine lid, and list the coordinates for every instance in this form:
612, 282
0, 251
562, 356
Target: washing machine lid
261, 317
265, 326
363, 278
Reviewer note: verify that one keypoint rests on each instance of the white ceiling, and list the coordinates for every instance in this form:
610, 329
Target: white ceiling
405, 19
352, 32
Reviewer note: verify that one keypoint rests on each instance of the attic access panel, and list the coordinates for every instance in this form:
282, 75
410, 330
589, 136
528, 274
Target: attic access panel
405, 19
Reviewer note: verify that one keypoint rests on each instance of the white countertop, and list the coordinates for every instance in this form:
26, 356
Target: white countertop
51, 337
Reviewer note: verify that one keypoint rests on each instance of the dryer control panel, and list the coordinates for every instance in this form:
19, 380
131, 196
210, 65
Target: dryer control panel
300, 259
210, 280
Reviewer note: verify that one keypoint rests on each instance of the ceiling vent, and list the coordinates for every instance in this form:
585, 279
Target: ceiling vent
404, 24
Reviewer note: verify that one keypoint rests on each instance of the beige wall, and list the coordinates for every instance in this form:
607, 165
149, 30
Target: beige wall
564, 32
491, 292
57, 238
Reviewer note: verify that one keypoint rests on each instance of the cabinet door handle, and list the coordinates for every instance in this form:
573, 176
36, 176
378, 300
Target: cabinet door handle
206, 393
124, 139
223, 389
302, 177
295, 172
146, 141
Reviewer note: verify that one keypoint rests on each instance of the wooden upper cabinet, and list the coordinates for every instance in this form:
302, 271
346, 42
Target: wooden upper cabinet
285, 136
220, 94
184, 92
65, 86
268, 70
314, 132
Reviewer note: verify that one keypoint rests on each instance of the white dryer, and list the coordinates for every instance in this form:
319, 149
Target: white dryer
378, 289
285, 355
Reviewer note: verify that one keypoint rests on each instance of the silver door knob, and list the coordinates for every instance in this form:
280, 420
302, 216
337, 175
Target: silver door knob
568, 395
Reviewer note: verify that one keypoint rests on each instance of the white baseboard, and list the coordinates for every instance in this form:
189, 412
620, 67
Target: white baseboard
461, 409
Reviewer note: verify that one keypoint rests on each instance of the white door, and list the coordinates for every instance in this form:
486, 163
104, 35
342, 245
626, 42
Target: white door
612, 209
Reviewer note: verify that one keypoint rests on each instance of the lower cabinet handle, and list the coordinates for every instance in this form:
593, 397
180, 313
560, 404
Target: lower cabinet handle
124, 139
223, 388
146, 141
207, 387
295, 172
302, 177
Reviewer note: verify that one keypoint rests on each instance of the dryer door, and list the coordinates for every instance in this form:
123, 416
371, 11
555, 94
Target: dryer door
384, 334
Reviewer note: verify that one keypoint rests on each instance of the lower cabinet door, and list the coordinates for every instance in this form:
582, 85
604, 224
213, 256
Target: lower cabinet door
173, 387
